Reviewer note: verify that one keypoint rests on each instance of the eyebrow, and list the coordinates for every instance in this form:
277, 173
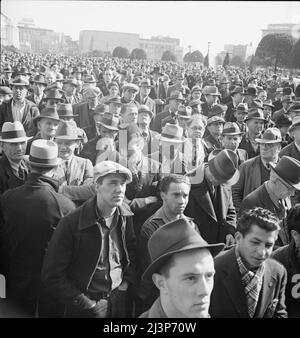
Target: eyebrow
197, 274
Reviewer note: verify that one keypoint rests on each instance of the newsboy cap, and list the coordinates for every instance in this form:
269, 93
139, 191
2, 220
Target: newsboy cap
109, 167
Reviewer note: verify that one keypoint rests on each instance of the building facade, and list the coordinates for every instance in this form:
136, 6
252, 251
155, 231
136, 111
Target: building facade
243, 51
9, 32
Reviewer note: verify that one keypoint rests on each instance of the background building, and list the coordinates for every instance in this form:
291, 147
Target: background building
280, 28
9, 32
243, 51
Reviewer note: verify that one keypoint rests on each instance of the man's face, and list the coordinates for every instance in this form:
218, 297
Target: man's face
248, 99
69, 89
144, 119
111, 190
179, 80
211, 99
50, 78
196, 95
107, 76
256, 246
196, 130
269, 151
38, 89
130, 115
66, 148
296, 134
115, 109
239, 98
14, 151
262, 96
216, 128
176, 198
231, 141
174, 104
286, 104
267, 112
19, 93
48, 127
187, 288
92, 102
255, 126
129, 95
145, 91
113, 91
240, 115
105, 132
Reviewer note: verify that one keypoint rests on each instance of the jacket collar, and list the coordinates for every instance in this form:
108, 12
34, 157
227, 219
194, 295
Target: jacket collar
159, 214
88, 214
156, 310
37, 178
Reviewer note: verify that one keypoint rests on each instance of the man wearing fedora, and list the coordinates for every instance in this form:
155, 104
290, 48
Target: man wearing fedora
179, 86
274, 194
151, 142
6, 80
256, 171
182, 269
210, 201
129, 92
19, 108
115, 105
286, 103
237, 95
29, 227
158, 92
268, 110
46, 124
170, 110
143, 97
293, 149
255, 125
283, 123
90, 262
38, 84
212, 96
240, 113
69, 88
250, 95
214, 129
53, 97
231, 139
248, 283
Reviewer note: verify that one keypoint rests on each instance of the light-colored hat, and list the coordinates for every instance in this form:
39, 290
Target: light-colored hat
109, 167
145, 83
172, 133
211, 90
215, 119
67, 130
44, 153
130, 86
91, 92
13, 132
231, 129
271, 135
145, 109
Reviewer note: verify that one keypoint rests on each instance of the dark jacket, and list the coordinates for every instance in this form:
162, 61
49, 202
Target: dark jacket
31, 213
228, 299
74, 250
156, 311
30, 112
214, 224
290, 150
286, 255
246, 144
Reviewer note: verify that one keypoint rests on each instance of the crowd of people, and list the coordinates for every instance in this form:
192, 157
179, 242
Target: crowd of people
153, 189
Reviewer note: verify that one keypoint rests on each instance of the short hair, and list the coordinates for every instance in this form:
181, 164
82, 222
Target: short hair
293, 218
263, 218
173, 178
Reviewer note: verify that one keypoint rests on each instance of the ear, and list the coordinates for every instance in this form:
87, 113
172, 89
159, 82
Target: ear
295, 235
238, 236
160, 282
162, 195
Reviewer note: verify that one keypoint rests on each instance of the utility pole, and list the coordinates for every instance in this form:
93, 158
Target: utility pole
208, 45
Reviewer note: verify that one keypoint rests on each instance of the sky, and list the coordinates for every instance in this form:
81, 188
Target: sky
195, 23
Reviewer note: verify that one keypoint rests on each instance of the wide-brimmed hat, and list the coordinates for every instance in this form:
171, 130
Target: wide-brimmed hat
242, 107
211, 90
115, 99
130, 86
196, 89
237, 89
145, 83
255, 113
109, 121
109, 167
176, 95
13, 132
53, 94
175, 237
101, 109
67, 130
295, 107
7, 69
71, 81
172, 133
231, 129
271, 135
19, 81
91, 92
145, 109
89, 79
217, 109
65, 110
44, 153
23, 71
215, 119
39, 79
5, 90
295, 123
268, 103
184, 112
156, 70
288, 169
283, 121
252, 91
47, 112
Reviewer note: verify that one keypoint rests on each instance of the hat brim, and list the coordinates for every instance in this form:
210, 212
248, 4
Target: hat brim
108, 127
40, 82
44, 165
170, 140
255, 118
16, 140
292, 127
68, 115
233, 133
296, 186
36, 119
154, 266
262, 141
128, 177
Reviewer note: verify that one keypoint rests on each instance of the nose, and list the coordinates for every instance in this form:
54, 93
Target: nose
203, 287
261, 251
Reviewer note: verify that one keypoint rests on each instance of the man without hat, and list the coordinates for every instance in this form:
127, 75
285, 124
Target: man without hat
30, 214
19, 108
182, 269
210, 201
274, 194
248, 283
90, 262
256, 171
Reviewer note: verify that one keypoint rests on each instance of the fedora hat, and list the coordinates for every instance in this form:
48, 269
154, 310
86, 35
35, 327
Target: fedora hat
268, 103
288, 169
72, 82
44, 153
255, 113
242, 107
145, 109
23, 71
196, 89
39, 79
176, 95
175, 237
115, 99
283, 121
172, 133
91, 92
67, 130
295, 123
184, 112
252, 91
156, 70
53, 94
231, 129
217, 109
5, 90
47, 112
89, 79
100, 109
146, 83
43, 69
13, 132
7, 69
215, 119
271, 135
19, 82
294, 107
65, 110
211, 90
130, 86
237, 89
109, 121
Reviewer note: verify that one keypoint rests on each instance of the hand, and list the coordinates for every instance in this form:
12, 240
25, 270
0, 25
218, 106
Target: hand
100, 308
229, 240
151, 199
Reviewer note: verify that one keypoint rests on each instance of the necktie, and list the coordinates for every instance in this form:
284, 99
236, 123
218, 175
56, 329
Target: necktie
21, 172
67, 171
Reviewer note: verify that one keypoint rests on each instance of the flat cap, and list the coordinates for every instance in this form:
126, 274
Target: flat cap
109, 167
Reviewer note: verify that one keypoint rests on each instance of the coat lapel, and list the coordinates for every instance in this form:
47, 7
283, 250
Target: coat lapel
202, 197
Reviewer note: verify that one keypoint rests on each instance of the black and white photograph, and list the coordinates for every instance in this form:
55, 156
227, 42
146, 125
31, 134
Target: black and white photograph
149, 162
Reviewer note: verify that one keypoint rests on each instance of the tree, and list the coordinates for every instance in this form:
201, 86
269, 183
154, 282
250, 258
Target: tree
120, 52
138, 54
237, 61
168, 56
206, 61
252, 63
226, 60
97, 53
187, 57
275, 49
197, 56
295, 55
